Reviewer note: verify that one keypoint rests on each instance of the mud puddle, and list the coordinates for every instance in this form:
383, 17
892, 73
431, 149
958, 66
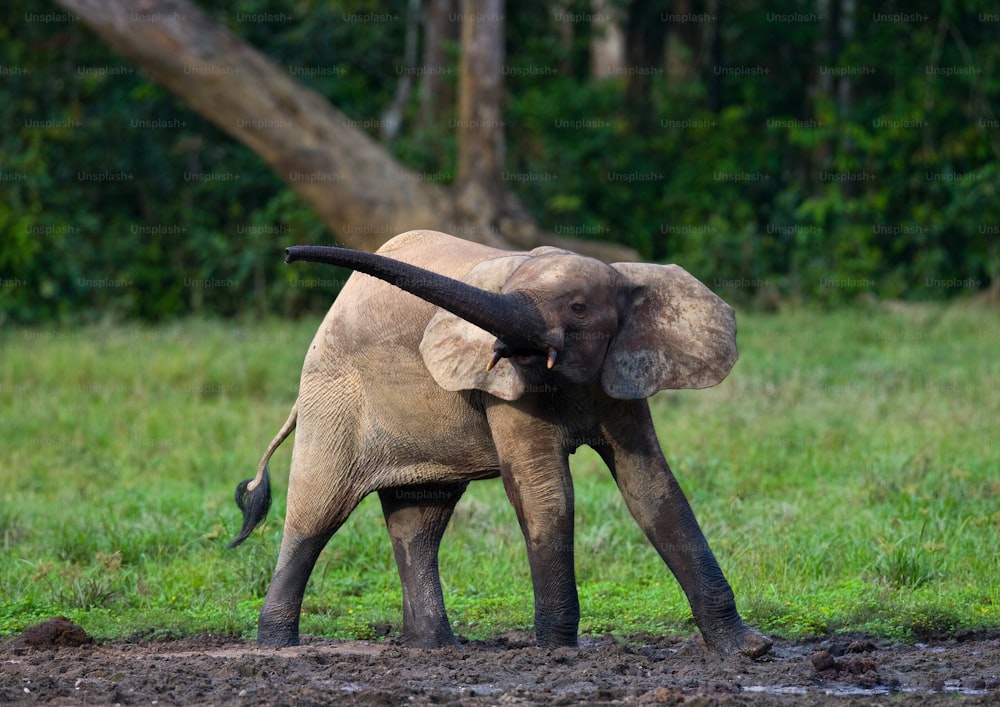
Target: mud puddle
61, 666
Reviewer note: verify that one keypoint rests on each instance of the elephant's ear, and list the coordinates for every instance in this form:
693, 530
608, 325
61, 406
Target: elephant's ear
676, 334
456, 352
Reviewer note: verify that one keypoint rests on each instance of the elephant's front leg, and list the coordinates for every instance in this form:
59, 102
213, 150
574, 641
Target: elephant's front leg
658, 504
535, 472
416, 518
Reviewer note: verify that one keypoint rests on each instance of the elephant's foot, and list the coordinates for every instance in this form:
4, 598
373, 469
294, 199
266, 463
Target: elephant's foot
277, 634
744, 640
427, 633
428, 641
426, 628
558, 628
557, 641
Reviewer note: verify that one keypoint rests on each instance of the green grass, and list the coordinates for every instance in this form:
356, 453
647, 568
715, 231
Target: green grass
846, 475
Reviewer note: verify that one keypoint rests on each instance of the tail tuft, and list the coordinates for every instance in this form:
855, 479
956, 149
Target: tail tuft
254, 503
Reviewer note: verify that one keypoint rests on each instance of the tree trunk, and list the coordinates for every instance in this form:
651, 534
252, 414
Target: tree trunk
357, 188
392, 118
437, 97
645, 44
607, 41
480, 117
482, 196
716, 98
685, 42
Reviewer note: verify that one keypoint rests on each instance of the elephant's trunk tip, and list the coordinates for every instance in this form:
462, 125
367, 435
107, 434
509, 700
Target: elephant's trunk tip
298, 253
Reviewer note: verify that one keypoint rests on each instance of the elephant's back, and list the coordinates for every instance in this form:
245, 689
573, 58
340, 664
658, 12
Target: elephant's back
375, 327
439, 252
379, 317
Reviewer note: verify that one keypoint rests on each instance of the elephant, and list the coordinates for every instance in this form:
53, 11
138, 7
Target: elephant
444, 361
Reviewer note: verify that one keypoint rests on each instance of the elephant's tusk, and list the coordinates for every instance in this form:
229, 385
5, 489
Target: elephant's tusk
550, 360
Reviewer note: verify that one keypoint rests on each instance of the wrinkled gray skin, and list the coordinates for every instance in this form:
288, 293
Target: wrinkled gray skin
395, 398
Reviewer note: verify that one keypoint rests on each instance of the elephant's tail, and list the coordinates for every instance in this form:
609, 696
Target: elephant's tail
253, 496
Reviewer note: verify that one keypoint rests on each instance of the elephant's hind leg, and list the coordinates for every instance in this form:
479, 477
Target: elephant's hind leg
416, 518
318, 504
278, 625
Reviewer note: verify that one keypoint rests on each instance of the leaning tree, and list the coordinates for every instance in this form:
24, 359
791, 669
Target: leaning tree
356, 187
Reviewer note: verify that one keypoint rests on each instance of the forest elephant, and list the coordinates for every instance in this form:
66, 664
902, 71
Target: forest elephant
444, 361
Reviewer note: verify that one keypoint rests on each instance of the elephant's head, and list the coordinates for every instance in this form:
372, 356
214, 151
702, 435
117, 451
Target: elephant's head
526, 321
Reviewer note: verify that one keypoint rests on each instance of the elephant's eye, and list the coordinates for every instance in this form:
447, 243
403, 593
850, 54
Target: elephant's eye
578, 307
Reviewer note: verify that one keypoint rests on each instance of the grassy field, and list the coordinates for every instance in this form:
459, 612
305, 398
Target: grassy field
846, 475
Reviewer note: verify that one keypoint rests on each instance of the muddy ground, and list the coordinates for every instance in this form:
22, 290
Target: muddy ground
57, 663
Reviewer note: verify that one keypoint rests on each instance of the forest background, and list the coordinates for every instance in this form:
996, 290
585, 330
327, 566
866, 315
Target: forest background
808, 152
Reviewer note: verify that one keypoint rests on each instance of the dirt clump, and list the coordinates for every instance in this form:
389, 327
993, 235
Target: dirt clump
861, 670
506, 670
59, 632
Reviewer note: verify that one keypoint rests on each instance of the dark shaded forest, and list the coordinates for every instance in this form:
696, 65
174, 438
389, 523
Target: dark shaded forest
810, 152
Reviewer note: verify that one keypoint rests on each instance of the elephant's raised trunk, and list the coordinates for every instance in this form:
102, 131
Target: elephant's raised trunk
509, 317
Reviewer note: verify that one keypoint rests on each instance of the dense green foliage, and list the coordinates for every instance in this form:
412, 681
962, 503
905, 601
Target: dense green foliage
786, 160
845, 475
